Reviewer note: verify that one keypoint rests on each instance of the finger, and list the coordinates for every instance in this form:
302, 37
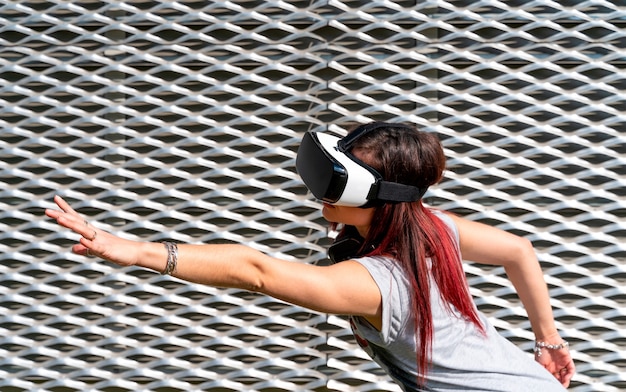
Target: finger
87, 231
75, 223
93, 236
571, 368
63, 205
569, 374
81, 249
87, 247
564, 375
52, 213
65, 209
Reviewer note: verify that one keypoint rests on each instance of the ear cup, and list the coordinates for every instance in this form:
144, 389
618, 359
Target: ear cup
344, 249
346, 246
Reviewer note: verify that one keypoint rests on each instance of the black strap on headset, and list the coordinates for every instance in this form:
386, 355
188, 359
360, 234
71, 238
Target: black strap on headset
393, 191
346, 142
385, 190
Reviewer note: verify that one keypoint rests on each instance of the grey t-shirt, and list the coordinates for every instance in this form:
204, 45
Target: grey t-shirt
463, 359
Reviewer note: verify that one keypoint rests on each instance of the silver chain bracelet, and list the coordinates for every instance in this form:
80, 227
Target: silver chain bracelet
540, 345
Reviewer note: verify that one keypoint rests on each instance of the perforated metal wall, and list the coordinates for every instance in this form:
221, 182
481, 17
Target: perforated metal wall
180, 120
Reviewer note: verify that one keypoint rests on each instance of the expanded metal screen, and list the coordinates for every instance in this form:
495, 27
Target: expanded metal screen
180, 120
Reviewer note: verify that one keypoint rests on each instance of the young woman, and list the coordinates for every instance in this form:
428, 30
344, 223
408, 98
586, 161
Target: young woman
398, 272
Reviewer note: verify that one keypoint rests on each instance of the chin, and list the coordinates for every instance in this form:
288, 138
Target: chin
327, 213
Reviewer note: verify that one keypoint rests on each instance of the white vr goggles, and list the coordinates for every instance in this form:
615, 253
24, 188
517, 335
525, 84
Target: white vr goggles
336, 176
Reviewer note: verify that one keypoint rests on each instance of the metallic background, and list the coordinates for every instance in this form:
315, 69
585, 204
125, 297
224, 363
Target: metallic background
180, 120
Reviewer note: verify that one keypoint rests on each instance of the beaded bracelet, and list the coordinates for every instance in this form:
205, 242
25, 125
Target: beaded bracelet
172, 258
540, 345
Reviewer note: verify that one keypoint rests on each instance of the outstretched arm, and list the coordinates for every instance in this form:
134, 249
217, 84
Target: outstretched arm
488, 245
345, 288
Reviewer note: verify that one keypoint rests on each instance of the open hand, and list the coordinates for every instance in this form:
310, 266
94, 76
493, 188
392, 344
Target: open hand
93, 241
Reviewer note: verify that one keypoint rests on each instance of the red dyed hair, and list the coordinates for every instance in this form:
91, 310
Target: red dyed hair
410, 233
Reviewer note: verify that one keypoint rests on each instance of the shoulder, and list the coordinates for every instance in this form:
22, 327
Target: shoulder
450, 220
395, 292
380, 265
389, 276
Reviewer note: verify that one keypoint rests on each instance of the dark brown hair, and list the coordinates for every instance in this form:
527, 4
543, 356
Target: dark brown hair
411, 233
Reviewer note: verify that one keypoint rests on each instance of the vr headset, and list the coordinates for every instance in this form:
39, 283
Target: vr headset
335, 176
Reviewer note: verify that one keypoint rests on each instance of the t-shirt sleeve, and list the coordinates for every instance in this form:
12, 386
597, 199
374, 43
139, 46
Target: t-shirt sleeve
395, 298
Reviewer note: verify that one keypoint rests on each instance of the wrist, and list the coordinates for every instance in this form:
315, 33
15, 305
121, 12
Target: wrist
550, 337
152, 255
172, 258
551, 341
539, 346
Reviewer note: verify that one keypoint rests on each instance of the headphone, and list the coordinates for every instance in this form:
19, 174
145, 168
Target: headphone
347, 245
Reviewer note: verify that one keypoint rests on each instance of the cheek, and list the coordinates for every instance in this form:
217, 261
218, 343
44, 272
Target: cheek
348, 215
353, 216
362, 217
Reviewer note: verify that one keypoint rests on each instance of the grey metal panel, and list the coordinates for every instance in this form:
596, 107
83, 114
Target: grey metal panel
180, 120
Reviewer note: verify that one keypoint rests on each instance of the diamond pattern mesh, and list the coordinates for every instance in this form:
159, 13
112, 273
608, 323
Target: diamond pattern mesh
180, 120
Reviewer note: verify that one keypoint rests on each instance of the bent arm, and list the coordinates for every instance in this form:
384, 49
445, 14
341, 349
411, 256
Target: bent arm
488, 245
